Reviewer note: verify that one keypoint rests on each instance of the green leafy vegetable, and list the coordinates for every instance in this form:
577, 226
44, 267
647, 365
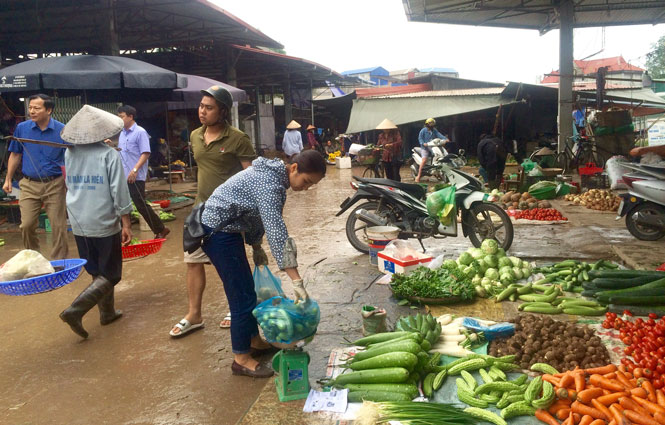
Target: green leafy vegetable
444, 282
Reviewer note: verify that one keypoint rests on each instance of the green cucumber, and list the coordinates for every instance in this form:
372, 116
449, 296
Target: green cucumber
585, 311
396, 359
613, 283
380, 337
408, 389
372, 376
624, 274
428, 385
637, 310
641, 299
543, 309
377, 396
409, 346
651, 288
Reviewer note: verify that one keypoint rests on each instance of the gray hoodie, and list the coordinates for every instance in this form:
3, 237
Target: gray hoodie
97, 192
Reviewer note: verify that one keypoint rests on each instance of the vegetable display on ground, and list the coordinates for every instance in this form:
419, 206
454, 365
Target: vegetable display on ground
541, 214
562, 345
445, 282
596, 199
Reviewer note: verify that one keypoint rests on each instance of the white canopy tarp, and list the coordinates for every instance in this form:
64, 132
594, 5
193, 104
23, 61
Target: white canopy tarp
367, 113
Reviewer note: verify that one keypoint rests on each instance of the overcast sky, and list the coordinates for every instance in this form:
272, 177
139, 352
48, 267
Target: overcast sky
351, 34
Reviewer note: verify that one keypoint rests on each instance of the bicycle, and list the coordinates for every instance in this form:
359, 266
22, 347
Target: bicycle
371, 159
586, 152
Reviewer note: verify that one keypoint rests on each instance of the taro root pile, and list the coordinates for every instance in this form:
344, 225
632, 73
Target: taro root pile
562, 345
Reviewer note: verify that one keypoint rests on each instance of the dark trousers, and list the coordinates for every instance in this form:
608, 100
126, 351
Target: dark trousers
104, 256
392, 170
137, 192
227, 253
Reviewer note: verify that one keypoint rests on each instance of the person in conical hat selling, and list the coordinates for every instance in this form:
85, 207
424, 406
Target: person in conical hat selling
292, 142
311, 138
98, 204
391, 142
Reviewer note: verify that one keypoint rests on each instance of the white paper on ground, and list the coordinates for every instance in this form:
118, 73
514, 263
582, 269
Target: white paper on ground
332, 401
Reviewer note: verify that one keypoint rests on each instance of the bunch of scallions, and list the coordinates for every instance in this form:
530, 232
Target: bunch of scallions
412, 413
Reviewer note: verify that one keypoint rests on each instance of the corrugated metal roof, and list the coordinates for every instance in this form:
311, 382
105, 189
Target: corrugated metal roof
445, 93
447, 70
363, 70
536, 14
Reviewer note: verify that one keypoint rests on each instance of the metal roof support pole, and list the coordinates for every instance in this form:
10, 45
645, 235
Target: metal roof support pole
566, 17
311, 99
258, 120
288, 104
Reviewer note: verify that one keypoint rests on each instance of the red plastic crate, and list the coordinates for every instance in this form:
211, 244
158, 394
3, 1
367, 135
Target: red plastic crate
590, 169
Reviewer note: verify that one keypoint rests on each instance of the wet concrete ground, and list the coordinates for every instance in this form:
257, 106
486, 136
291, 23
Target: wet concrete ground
132, 372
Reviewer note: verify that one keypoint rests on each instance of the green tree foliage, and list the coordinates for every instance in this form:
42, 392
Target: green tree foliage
656, 59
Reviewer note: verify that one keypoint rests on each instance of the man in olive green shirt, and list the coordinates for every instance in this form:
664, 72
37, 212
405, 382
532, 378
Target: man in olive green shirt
220, 151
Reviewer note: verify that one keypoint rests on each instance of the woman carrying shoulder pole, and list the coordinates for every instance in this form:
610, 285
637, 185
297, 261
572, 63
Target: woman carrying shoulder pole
251, 202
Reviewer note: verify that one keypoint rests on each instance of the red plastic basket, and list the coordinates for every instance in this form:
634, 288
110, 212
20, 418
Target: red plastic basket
142, 249
590, 169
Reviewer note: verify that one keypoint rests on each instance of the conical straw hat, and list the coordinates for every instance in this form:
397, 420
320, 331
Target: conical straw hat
386, 125
293, 125
91, 125
311, 127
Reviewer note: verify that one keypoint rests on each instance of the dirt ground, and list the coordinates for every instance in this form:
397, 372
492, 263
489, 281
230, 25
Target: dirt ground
132, 372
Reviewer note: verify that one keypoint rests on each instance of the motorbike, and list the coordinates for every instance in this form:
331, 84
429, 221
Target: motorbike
383, 202
438, 157
644, 204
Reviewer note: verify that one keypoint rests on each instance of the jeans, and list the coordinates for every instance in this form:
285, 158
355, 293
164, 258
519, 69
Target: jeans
227, 253
137, 193
392, 170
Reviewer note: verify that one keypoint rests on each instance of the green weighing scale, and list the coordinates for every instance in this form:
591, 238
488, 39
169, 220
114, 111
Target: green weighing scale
291, 366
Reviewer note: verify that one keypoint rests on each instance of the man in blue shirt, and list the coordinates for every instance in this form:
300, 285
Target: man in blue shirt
134, 144
428, 133
42, 181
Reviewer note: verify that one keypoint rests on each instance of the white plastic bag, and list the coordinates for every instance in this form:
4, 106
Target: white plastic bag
401, 250
27, 263
436, 263
615, 170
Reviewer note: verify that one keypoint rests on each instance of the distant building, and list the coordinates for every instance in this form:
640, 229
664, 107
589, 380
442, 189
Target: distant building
410, 73
375, 76
617, 67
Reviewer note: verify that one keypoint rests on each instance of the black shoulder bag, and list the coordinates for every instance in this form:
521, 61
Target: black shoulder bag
193, 235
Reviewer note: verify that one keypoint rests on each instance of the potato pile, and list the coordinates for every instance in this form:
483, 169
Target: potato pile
596, 199
523, 201
562, 345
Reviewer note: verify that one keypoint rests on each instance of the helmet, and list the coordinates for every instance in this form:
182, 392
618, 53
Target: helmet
430, 121
220, 94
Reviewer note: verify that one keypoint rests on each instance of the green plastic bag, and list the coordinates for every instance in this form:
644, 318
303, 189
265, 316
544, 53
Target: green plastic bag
543, 190
528, 165
441, 204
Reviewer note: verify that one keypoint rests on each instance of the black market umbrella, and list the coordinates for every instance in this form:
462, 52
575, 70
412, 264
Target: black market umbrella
87, 72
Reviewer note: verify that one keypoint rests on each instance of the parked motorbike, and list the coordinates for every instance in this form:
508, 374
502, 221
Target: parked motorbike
644, 204
390, 203
439, 156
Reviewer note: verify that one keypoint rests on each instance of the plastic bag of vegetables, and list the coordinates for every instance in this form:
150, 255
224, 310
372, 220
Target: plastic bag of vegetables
266, 285
284, 321
441, 204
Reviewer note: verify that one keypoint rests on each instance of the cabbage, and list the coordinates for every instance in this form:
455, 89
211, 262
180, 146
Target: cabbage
485, 281
505, 261
526, 272
492, 261
516, 261
490, 246
492, 274
518, 273
476, 280
482, 266
527, 266
470, 271
476, 253
507, 279
448, 263
506, 270
465, 258
501, 253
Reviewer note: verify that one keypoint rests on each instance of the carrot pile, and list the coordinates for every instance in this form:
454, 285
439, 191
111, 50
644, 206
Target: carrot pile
603, 396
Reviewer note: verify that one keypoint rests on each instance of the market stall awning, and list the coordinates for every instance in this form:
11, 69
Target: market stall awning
643, 96
541, 15
190, 97
366, 114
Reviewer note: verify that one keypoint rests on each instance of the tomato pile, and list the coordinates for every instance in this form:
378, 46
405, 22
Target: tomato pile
542, 214
645, 342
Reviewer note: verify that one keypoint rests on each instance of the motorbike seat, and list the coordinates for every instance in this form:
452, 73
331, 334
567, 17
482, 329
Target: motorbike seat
415, 190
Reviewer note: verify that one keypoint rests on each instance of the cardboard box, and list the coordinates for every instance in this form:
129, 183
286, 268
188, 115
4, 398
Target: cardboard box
343, 162
390, 265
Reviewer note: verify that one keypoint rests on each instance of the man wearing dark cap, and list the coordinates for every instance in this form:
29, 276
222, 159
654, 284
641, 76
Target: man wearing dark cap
220, 151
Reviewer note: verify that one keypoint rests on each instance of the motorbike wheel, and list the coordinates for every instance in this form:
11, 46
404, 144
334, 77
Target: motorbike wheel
645, 233
355, 229
489, 221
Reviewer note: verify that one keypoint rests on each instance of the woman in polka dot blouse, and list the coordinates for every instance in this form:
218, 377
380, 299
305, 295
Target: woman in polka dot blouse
251, 202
